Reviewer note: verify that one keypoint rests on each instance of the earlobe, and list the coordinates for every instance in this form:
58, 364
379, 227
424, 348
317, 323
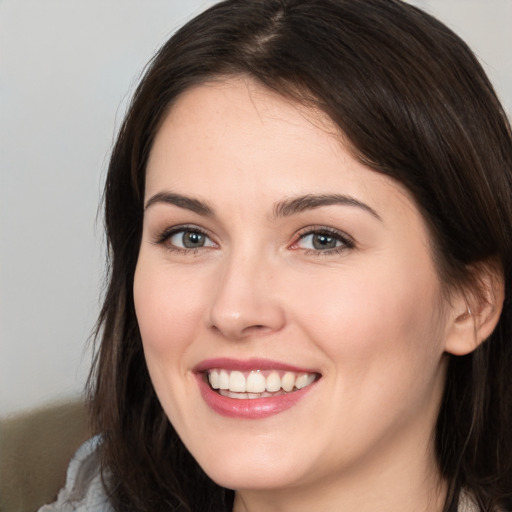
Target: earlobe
476, 314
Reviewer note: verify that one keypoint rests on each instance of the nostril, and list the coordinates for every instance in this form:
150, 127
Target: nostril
257, 328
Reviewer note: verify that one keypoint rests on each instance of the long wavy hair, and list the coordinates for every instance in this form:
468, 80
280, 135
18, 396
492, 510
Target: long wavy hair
414, 104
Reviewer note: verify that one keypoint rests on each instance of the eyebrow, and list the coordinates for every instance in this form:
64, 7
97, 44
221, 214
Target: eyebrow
188, 203
284, 208
300, 204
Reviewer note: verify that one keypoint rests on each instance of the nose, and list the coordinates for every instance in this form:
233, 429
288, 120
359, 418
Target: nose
246, 301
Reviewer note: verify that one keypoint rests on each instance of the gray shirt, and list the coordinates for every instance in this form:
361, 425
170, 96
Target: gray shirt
84, 491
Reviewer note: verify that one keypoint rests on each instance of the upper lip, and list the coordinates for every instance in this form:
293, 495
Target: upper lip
245, 365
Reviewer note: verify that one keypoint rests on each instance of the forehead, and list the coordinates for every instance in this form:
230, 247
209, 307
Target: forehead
212, 108
228, 138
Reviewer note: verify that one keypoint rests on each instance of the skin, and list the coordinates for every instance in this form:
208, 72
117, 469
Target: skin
370, 317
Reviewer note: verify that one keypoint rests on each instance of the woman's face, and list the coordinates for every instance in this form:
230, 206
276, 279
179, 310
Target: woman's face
272, 260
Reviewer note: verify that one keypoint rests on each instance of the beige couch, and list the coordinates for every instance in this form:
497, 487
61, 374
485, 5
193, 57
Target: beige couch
35, 449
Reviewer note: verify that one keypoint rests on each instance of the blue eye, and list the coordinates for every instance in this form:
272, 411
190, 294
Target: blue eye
188, 239
324, 240
184, 239
319, 241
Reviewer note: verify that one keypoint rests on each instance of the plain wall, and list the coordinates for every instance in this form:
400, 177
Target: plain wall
66, 69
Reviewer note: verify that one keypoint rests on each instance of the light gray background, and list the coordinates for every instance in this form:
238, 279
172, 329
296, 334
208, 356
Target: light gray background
66, 71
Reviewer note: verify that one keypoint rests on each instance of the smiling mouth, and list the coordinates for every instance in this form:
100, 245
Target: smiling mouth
257, 383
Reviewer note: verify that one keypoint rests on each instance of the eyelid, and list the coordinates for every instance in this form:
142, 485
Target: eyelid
346, 240
164, 235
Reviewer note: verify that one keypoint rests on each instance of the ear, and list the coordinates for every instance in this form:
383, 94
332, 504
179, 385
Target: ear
474, 310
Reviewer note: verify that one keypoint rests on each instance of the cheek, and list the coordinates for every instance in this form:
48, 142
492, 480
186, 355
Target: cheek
376, 320
381, 334
169, 312
168, 306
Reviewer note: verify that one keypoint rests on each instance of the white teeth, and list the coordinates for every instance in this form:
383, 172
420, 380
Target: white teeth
256, 383
288, 381
236, 385
273, 382
214, 379
237, 382
304, 380
223, 379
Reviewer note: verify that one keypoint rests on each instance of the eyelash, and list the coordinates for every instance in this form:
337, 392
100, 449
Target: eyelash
163, 238
339, 236
346, 242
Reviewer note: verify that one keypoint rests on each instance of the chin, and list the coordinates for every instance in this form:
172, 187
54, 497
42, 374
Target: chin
247, 478
261, 468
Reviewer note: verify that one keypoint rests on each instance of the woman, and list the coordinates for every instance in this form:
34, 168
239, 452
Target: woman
309, 211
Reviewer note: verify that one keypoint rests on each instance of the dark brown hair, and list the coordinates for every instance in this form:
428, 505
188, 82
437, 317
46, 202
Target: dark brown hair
414, 104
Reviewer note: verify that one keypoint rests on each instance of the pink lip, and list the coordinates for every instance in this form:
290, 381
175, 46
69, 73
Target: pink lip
256, 408
227, 363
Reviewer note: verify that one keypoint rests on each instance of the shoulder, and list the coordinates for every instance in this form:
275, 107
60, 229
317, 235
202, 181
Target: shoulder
84, 491
466, 503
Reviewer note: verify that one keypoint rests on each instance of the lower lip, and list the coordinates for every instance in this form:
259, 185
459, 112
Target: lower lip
249, 408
